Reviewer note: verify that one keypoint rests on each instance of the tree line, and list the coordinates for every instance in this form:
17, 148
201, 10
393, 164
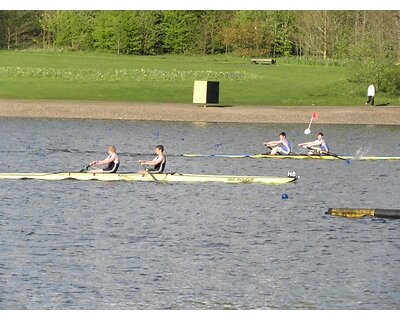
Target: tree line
367, 38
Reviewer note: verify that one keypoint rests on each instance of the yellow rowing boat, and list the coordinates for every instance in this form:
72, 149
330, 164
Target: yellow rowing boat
296, 156
159, 177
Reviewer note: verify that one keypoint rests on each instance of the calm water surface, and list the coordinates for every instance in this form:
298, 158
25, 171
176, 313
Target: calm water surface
121, 245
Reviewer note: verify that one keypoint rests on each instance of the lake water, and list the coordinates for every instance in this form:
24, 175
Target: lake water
122, 245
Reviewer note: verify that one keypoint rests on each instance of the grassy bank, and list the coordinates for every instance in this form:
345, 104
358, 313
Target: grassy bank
94, 76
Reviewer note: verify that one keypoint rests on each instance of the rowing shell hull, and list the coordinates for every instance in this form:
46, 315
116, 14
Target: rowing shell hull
295, 156
159, 177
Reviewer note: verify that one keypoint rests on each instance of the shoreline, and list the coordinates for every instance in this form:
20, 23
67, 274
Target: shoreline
111, 110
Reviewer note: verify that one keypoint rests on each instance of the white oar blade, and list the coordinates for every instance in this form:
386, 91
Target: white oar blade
307, 131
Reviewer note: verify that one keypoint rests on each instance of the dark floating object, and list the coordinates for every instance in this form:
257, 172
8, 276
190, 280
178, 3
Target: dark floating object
359, 212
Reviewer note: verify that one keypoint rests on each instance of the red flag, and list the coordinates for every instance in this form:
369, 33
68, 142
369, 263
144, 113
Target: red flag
315, 115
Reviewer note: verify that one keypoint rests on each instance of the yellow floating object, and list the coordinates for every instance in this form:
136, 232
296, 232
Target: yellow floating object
360, 212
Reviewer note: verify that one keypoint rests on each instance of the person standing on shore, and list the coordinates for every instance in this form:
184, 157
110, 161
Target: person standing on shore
281, 146
371, 94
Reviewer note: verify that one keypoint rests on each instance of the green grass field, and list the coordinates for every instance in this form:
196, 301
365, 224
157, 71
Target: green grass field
95, 76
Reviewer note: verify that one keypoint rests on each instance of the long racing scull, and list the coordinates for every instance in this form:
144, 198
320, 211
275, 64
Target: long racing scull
161, 177
295, 156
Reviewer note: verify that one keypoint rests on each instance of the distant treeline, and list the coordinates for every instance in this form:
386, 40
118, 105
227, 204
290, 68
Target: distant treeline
324, 34
370, 38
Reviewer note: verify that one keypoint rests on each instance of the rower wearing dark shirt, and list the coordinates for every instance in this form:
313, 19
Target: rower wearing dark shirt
112, 162
158, 162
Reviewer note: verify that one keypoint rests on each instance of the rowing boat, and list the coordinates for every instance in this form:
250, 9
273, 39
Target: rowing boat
161, 177
295, 156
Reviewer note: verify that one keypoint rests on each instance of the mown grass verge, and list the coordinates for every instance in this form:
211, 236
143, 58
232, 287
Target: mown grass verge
169, 79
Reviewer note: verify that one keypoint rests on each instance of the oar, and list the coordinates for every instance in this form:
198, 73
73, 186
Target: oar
283, 155
149, 172
329, 154
270, 148
335, 155
85, 168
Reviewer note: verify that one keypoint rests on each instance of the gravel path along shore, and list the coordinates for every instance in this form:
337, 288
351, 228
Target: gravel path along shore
69, 109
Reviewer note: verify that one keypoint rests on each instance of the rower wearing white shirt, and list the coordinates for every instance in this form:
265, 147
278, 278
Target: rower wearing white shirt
281, 146
317, 146
112, 162
158, 162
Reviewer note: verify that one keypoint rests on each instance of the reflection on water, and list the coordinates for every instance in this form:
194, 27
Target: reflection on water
121, 245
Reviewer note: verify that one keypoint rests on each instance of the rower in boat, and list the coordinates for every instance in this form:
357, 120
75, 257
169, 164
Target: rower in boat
318, 146
158, 162
112, 162
281, 146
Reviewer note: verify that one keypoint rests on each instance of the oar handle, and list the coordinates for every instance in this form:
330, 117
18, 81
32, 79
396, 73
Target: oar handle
149, 172
85, 168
